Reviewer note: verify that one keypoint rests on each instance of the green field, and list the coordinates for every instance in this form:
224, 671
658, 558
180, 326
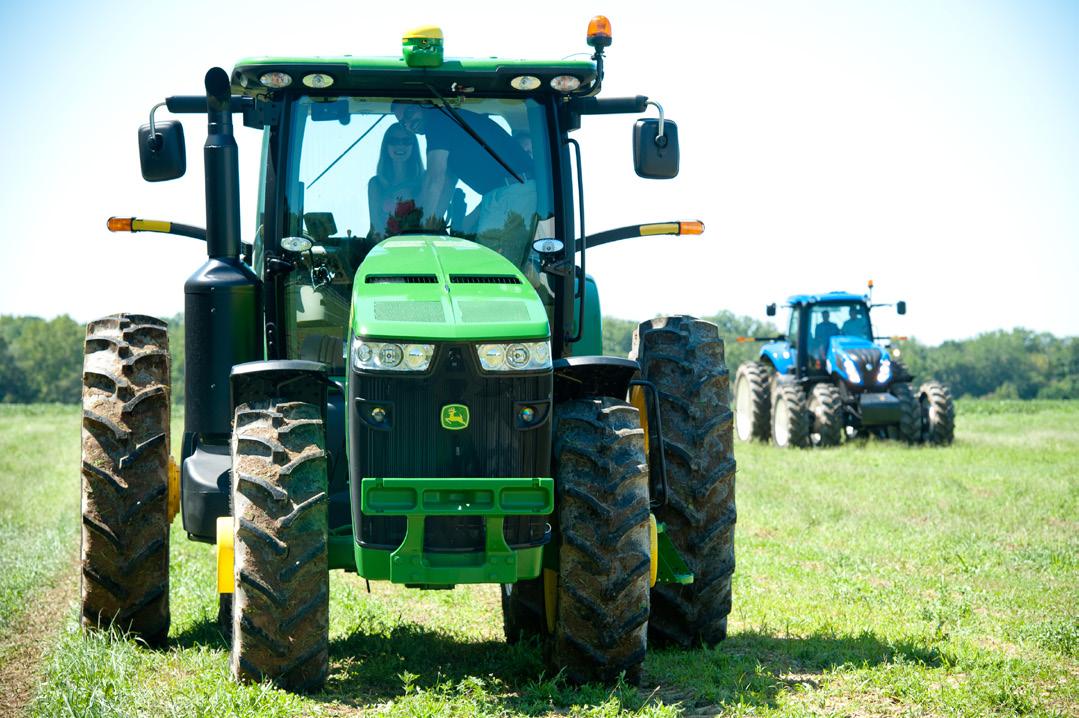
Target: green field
872, 579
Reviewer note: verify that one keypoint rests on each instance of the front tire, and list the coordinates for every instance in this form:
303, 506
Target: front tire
280, 608
684, 358
752, 402
826, 415
938, 413
125, 462
910, 413
604, 559
790, 418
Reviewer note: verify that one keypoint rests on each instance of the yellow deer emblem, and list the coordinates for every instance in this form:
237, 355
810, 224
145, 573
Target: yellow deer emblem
454, 417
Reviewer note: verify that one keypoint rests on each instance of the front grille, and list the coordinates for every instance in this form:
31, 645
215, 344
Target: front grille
418, 446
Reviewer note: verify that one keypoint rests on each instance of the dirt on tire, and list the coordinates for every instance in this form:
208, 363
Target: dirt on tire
684, 357
280, 607
125, 460
602, 502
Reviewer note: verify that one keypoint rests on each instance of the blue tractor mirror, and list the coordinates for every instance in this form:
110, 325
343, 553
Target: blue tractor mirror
901, 307
771, 310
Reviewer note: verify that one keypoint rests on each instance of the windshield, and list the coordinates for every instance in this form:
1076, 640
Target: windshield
362, 169
839, 319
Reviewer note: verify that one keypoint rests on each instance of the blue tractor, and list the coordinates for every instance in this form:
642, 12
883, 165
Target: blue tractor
828, 378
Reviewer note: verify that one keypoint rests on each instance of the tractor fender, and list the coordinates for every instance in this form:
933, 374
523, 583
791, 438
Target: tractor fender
292, 379
576, 377
779, 355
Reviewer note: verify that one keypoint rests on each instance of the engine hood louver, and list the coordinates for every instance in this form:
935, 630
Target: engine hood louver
402, 279
484, 279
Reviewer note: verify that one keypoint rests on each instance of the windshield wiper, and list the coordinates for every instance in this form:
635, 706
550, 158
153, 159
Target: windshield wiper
347, 150
450, 112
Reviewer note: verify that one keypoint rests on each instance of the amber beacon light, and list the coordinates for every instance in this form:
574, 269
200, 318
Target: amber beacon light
599, 31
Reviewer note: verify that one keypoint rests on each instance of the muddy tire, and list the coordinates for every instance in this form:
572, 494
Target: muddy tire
790, 417
752, 402
826, 415
602, 504
125, 463
938, 413
523, 614
280, 608
910, 413
684, 358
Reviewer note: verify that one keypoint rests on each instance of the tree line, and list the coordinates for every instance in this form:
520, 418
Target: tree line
41, 359
1015, 364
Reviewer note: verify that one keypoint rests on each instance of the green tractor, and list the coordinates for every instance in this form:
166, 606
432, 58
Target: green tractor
397, 375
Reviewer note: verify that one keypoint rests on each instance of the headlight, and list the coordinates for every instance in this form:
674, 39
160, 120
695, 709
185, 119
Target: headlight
853, 374
389, 356
518, 356
885, 371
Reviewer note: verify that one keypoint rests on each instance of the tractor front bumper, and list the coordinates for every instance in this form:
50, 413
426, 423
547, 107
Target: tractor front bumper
416, 499
879, 409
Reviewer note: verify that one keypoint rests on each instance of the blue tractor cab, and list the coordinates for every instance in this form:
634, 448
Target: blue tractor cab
829, 377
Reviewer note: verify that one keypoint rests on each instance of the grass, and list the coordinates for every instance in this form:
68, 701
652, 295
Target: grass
873, 579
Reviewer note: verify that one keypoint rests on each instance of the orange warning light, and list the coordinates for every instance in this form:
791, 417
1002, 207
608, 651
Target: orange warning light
599, 31
691, 227
120, 224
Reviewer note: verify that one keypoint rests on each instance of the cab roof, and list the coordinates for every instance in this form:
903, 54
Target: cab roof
799, 299
364, 74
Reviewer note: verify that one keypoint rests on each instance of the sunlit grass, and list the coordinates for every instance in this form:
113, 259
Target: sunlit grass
872, 579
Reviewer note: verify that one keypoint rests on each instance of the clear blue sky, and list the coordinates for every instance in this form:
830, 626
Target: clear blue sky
930, 145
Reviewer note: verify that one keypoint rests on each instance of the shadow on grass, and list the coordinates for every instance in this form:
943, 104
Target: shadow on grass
749, 668
753, 667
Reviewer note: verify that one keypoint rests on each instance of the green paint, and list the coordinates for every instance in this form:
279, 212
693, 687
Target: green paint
591, 343
672, 567
418, 498
457, 497
454, 417
422, 51
442, 310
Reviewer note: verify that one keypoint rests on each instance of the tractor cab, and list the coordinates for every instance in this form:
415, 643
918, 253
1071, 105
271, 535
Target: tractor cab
830, 334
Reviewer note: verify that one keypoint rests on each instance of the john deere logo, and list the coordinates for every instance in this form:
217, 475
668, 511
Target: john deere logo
454, 417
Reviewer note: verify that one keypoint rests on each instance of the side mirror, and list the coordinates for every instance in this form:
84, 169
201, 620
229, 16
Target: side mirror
770, 310
655, 153
163, 154
901, 307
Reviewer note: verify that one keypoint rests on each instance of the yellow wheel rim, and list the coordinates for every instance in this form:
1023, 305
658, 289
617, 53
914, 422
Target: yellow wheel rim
226, 582
653, 541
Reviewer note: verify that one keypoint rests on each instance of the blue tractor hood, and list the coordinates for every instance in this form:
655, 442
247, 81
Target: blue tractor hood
859, 362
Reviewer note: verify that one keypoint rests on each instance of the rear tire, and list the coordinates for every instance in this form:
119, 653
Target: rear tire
604, 559
125, 462
280, 607
752, 402
910, 413
826, 415
523, 613
684, 358
790, 418
938, 413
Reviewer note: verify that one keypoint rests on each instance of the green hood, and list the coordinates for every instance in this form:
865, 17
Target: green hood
442, 288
